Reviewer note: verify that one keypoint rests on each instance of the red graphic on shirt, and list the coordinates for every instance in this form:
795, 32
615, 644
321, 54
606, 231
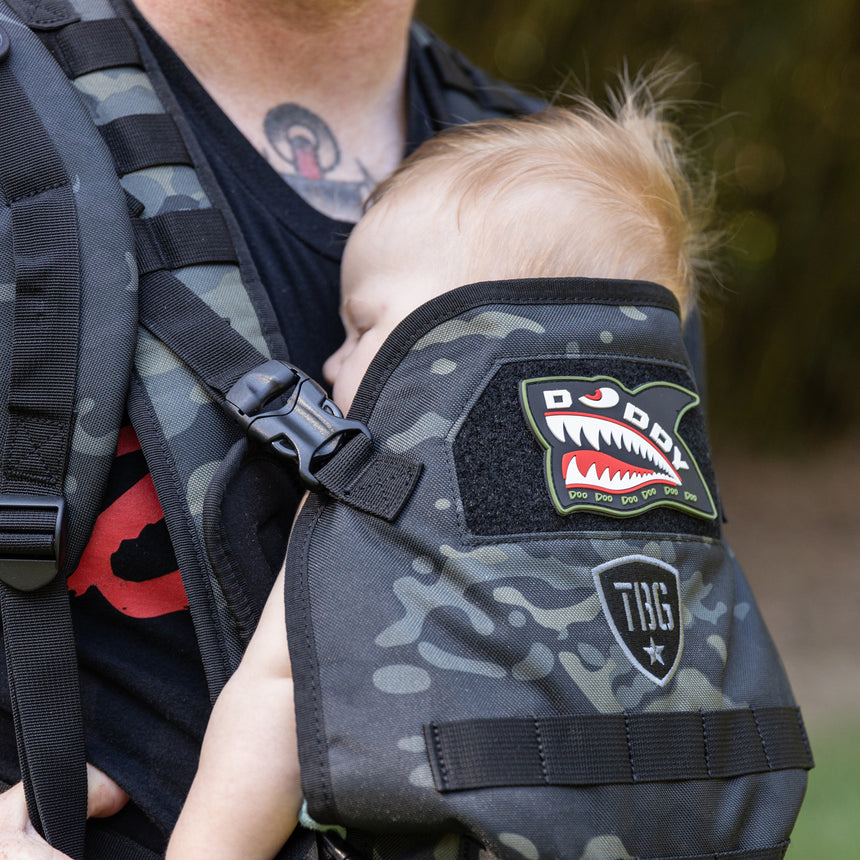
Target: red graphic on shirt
126, 518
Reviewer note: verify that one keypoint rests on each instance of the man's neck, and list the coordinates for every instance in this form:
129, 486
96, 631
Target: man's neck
317, 86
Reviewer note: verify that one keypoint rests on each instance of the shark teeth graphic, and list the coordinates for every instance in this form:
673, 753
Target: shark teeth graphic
607, 464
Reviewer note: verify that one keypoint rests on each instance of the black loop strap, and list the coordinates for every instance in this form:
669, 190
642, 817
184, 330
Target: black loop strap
144, 140
184, 238
603, 749
90, 46
37, 629
376, 482
26, 531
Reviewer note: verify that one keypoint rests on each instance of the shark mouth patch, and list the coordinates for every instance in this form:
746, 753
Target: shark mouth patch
613, 450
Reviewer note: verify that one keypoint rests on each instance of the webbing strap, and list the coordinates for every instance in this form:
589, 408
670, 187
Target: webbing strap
37, 629
144, 140
90, 46
603, 749
372, 481
183, 238
216, 353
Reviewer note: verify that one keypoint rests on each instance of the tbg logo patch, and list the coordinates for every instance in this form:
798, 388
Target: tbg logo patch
641, 599
612, 450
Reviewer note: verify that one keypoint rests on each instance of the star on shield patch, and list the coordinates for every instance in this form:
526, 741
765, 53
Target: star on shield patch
641, 599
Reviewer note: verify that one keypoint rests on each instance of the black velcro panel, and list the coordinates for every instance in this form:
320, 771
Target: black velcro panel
602, 749
144, 140
89, 46
517, 485
185, 238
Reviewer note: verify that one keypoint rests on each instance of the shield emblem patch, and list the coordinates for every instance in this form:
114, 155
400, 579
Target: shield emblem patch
641, 599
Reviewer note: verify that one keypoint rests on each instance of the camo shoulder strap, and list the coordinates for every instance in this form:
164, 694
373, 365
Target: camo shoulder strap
120, 200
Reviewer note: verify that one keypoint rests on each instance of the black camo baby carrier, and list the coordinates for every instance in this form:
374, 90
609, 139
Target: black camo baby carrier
524, 636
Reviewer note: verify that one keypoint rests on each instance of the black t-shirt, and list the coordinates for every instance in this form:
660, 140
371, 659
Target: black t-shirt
144, 694
296, 249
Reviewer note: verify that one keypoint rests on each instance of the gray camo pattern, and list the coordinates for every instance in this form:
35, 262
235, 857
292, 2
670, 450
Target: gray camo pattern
531, 637
191, 422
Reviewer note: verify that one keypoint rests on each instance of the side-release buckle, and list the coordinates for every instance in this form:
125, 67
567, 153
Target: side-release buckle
307, 429
32, 539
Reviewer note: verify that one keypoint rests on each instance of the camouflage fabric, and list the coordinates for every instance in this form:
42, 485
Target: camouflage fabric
170, 408
109, 276
430, 619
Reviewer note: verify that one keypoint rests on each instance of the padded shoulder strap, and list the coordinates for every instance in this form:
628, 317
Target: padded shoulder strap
65, 246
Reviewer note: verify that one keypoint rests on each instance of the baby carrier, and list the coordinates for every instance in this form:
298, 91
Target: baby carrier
534, 642
124, 283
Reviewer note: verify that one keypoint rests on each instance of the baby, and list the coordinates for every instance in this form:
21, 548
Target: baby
567, 192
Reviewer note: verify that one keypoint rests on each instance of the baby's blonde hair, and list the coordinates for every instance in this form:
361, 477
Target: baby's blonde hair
573, 191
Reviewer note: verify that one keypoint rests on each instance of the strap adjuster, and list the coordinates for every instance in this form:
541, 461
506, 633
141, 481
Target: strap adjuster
306, 430
32, 539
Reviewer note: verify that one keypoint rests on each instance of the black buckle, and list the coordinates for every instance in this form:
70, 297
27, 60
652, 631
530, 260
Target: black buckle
39, 553
306, 429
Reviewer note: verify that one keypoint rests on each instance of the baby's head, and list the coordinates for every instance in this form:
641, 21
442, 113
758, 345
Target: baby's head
569, 192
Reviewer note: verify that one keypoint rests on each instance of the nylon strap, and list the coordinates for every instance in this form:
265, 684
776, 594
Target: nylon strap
37, 629
144, 140
183, 238
604, 749
205, 341
90, 46
372, 481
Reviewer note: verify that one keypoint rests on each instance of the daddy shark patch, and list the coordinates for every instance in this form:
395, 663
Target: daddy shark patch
613, 450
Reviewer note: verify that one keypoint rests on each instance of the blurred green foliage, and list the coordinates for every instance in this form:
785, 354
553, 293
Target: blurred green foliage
774, 108
828, 825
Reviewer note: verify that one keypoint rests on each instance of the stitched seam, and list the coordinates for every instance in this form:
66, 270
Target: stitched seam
803, 735
761, 738
629, 747
36, 191
705, 738
322, 752
541, 754
34, 449
440, 758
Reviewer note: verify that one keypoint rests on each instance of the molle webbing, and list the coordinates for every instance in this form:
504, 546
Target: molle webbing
604, 749
148, 140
